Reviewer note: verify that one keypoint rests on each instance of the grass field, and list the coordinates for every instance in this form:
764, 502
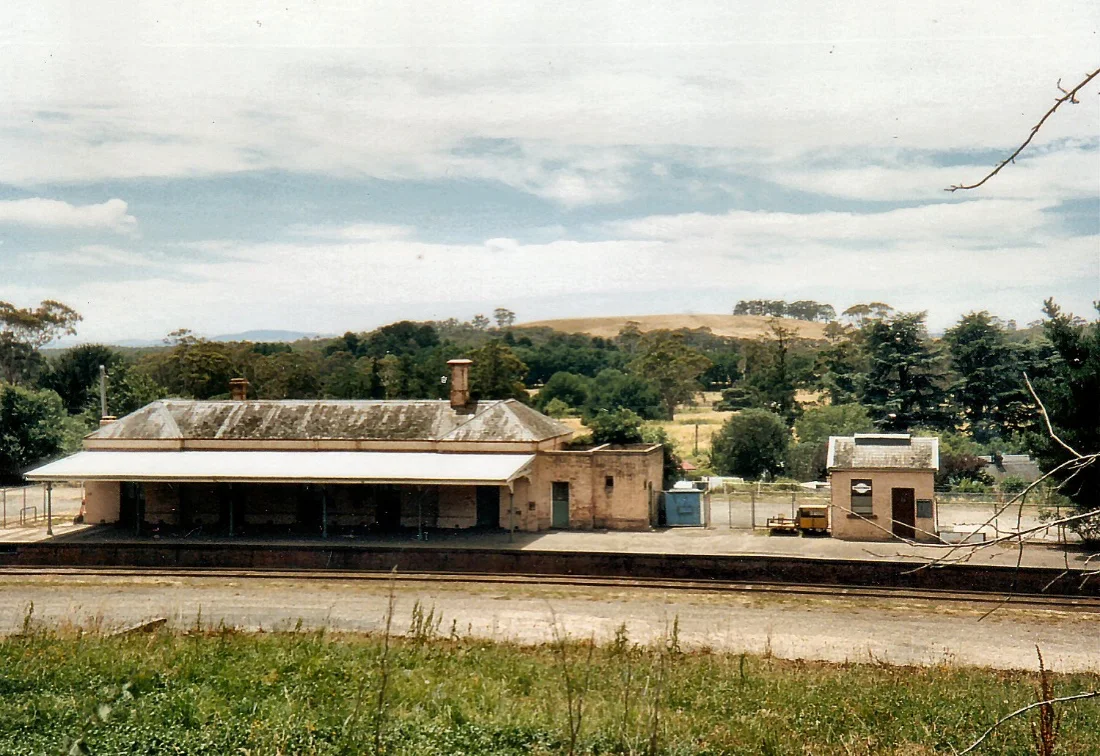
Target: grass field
431, 691
735, 326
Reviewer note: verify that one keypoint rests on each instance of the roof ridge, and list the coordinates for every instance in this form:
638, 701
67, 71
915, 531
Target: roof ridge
162, 409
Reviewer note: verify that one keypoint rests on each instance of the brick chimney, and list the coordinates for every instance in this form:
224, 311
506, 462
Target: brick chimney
460, 383
238, 389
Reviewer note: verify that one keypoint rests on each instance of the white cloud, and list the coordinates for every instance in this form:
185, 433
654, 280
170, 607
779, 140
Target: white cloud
353, 232
96, 256
1067, 173
1000, 255
381, 90
47, 213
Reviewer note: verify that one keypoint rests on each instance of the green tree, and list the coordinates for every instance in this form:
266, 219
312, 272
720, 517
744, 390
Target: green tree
497, 373
903, 388
770, 374
751, 444
391, 375
671, 464
345, 377
23, 331
569, 388
817, 424
960, 461
619, 426
287, 375
725, 367
504, 317
630, 337
670, 365
806, 459
193, 367
74, 375
1070, 394
614, 389
33, 428
556, 408
988, 388
842, 365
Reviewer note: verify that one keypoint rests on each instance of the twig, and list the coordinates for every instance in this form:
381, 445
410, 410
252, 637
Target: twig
1024, 710
1046, 418
1070, 96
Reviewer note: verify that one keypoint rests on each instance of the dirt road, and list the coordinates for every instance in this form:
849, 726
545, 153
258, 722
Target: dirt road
831, 629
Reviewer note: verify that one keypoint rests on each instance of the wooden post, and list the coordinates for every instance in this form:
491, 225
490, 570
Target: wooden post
48, 493
511, 515
420, 516
752, 492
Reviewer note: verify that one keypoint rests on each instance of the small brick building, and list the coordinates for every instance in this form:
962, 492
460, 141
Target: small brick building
882, 486
324, 467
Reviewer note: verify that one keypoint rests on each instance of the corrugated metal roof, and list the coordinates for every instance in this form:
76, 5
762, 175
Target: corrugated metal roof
1019, 465
287, 467
888, 451
173, 419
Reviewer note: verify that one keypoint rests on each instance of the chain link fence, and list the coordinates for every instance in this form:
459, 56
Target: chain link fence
748, 506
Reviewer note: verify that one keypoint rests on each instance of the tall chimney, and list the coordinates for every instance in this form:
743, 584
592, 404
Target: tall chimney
460, 383
238, 389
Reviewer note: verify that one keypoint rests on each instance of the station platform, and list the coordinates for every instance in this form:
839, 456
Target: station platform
695, 554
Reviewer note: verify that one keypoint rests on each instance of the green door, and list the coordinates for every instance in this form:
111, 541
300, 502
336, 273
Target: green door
559, 511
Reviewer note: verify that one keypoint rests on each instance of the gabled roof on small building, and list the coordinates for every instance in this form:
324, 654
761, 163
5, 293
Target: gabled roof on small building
883, 451
351, 420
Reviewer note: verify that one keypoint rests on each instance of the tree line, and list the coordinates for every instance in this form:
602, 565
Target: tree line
875, 369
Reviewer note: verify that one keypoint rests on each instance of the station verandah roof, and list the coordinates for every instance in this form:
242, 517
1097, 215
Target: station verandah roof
422, 468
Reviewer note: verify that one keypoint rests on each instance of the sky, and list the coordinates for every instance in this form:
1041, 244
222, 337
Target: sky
331, 166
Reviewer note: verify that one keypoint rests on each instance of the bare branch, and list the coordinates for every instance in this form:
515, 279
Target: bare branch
1070, 97
1024, 710
1046, 419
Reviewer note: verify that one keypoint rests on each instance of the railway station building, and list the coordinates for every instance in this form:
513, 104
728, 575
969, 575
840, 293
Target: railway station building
882, 486
341, 467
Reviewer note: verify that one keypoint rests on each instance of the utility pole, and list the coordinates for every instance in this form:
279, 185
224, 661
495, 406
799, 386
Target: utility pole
103, 391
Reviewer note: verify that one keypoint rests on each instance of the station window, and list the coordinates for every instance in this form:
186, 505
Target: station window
609, 481
861, 497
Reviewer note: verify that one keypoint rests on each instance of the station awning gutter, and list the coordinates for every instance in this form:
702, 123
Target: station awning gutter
426, 468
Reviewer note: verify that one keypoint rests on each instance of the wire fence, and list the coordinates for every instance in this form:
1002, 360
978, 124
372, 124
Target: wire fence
744, 506
22, 506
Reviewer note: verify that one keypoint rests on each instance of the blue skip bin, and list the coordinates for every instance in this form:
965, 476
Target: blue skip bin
684, 505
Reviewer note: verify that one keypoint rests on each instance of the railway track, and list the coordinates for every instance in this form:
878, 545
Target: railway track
1027, 600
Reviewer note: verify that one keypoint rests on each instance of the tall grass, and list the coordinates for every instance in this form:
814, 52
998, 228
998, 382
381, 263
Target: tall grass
217, 691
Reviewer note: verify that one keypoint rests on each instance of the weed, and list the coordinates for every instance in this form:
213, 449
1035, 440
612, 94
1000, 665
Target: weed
1044, 731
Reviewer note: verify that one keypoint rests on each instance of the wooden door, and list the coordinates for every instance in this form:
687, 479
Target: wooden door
559, 499
903, 512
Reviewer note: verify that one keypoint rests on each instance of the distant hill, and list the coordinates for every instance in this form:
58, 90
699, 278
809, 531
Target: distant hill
265, 336
736, 326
